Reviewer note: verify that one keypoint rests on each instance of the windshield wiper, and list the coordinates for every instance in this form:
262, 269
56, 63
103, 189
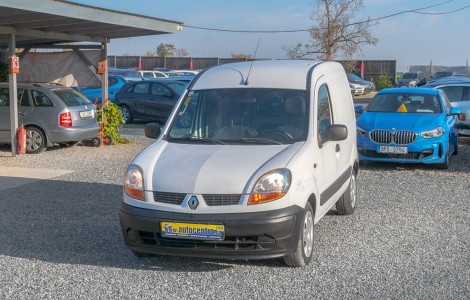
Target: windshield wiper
260, 141
198, 139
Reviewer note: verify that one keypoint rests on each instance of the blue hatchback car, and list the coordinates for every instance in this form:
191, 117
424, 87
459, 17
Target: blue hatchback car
408, 125
115, 83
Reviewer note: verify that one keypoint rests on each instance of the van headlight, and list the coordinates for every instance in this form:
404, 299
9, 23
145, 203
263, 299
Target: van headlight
134, 183
433, 133
271, 186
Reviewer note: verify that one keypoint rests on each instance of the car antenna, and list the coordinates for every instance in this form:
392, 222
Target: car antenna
254, 56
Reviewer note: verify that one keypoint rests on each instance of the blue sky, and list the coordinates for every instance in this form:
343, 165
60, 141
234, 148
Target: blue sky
411, 39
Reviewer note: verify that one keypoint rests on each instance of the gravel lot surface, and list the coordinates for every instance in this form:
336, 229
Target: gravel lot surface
60, 238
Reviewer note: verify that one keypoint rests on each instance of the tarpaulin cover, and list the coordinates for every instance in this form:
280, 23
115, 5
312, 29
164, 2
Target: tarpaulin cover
65, 68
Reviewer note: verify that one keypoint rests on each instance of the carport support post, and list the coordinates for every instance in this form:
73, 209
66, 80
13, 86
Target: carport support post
13, 96
104, 77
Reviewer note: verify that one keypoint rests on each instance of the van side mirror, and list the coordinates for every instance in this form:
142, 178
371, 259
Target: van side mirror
335, 132
152, 130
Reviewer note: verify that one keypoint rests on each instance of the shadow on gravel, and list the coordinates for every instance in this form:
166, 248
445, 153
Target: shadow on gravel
77, 223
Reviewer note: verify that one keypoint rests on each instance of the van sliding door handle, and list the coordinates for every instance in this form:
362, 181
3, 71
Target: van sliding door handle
337, 148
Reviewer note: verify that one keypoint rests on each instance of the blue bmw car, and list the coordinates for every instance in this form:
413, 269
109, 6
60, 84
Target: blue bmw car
408, 125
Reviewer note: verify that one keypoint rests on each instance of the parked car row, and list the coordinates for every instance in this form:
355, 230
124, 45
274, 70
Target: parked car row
53, 114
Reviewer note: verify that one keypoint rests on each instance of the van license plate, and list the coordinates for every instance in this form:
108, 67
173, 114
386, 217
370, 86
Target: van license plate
193, 231
391, 149
86, 114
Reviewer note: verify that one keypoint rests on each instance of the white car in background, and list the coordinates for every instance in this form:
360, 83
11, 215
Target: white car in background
148, 74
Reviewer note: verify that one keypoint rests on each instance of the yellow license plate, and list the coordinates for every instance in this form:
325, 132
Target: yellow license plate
193, 231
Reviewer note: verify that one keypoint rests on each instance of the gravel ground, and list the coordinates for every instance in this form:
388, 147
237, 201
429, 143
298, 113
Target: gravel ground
408, 239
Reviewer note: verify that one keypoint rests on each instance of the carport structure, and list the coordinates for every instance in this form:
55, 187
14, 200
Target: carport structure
59, 24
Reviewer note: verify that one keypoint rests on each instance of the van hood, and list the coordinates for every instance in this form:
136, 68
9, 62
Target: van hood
213, 169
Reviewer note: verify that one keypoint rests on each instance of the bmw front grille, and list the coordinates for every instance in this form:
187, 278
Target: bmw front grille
399, 137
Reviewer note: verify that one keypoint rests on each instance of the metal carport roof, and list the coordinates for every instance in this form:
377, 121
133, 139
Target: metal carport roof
31, 24
39, 23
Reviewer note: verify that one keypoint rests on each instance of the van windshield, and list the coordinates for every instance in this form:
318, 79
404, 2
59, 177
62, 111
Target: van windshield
242, 116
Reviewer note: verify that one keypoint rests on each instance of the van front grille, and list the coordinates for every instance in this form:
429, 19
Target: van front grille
170, 198
220, 200
209, 199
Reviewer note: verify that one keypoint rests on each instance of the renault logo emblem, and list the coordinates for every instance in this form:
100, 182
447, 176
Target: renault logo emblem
193, 203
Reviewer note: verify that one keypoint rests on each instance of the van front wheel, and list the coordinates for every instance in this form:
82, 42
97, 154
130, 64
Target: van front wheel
304, 251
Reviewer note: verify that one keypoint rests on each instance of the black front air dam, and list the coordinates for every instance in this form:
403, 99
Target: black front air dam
270, 233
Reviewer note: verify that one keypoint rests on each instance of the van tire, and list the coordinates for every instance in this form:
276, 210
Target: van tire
35, 140
347, 202
304, 251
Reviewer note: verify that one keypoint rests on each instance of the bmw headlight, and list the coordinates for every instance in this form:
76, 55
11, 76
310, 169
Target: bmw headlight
360, 131
134, 182
433, 133
270, 186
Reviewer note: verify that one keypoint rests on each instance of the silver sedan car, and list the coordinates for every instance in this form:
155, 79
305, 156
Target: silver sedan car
51, 115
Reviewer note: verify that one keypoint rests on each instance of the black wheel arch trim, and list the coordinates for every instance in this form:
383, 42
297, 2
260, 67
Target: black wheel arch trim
335, 186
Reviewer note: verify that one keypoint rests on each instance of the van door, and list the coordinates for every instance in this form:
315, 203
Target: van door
326, 172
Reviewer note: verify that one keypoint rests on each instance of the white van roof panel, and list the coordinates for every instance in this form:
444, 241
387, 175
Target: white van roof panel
282, 74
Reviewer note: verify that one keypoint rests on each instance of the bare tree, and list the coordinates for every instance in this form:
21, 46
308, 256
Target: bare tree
336, 31
181, 52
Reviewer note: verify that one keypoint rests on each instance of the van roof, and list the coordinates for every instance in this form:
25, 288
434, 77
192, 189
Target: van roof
282, 74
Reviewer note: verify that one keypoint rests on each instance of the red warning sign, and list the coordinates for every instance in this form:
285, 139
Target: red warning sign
102, 67
14, 65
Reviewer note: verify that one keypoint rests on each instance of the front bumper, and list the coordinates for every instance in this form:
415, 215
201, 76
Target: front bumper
257, 235
432, 151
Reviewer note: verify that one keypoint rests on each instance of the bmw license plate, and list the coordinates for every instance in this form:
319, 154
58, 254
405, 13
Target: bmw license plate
195, 231
86, 114
393, 149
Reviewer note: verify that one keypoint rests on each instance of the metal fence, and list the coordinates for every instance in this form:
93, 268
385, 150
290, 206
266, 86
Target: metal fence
373, 69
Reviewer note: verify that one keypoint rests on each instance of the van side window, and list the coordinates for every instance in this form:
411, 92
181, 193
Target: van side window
40, 99
324, 117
